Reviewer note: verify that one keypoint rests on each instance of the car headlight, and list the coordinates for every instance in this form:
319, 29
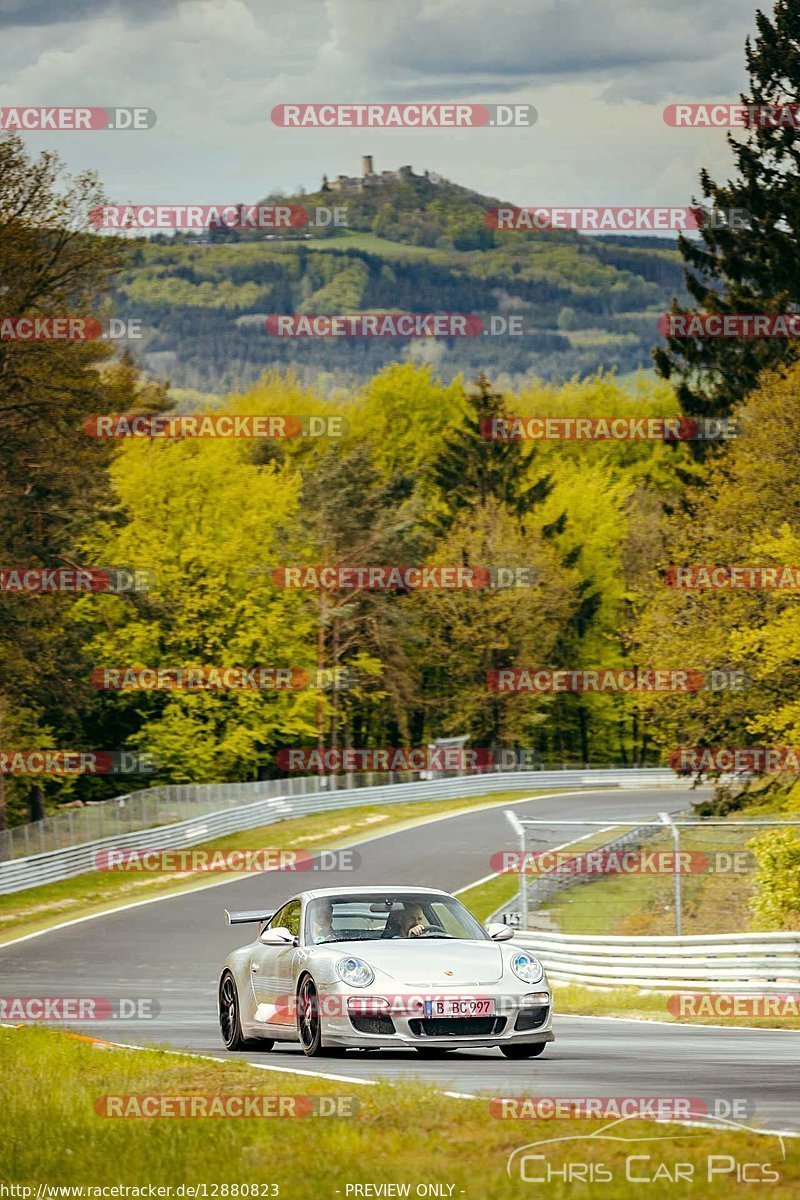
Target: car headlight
527, 968
355, 972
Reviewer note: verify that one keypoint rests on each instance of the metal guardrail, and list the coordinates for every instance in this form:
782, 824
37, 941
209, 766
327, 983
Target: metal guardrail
737, 962
169, 804
34, 870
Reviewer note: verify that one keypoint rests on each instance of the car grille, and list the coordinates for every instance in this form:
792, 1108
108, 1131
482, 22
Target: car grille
372, 1024
531, 1018
457, 1026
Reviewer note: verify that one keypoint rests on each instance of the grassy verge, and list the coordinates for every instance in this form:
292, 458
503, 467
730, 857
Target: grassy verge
640, 1005
407, 1134
38, 908
644, 904
485, 898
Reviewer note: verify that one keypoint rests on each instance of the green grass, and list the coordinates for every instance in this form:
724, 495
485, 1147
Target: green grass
51, 1132
370, 243
485, 898
40, 907
641, 1005
644, 904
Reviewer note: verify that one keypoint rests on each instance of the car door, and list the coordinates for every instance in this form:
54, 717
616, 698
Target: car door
272, 974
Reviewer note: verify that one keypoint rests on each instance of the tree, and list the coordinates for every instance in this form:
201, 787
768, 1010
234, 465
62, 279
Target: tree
472, 469
211, 521
743, 511
775, 903
756, 269
53, 477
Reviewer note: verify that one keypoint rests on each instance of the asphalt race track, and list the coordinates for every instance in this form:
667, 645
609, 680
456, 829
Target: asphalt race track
172, 950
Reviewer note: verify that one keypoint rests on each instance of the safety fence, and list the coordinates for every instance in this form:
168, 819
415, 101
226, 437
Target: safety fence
734, 962
171, 804
585, 876
251, 805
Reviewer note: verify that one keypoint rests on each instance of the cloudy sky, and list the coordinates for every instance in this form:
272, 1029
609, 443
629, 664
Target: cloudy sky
599, 72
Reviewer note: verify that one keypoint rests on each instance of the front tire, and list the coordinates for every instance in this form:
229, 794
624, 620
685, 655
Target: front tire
309, 1023
523, 1050
230, 1021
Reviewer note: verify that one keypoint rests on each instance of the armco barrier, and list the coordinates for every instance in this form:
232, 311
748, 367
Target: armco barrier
733, 962
31, 871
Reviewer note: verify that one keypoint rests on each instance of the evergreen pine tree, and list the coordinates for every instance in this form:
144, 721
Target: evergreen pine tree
755, 269
472, 469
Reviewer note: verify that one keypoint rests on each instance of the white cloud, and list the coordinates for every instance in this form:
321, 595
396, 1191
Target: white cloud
598, 71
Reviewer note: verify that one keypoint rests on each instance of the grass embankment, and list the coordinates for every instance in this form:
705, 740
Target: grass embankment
644, 904
38, 908
649, 1005
408, 1135
501, 891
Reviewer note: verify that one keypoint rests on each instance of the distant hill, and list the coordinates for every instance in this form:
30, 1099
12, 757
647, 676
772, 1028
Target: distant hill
413, 243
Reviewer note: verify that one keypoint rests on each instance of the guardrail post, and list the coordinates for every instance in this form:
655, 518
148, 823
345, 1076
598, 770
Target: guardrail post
676, 842
519, 829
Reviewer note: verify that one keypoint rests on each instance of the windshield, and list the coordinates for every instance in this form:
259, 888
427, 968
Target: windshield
381, 917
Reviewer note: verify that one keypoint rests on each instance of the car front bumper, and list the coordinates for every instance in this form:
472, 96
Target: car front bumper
512, 1023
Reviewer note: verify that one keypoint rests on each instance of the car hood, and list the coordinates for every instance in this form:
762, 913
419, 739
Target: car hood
434, 962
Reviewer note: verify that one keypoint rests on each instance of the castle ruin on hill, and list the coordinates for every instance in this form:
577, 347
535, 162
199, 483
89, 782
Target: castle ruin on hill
369, 178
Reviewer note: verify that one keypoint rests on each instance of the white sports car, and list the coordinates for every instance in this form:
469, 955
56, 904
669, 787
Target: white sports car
372, 967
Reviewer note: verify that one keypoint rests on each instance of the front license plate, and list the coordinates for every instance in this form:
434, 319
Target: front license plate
454, 1007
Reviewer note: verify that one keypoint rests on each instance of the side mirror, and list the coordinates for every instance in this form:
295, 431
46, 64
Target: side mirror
499, 932
279, 936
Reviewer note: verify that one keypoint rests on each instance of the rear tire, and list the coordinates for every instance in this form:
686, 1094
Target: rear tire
523, 1050
230, 1021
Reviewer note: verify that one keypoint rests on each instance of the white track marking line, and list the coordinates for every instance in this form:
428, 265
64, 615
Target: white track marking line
675, 1024
374, 1083
551, 850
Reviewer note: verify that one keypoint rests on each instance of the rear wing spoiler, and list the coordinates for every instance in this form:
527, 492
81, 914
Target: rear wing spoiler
248, 918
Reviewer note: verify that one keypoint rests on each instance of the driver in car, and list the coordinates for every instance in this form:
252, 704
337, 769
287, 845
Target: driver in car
322, 922
409, 922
